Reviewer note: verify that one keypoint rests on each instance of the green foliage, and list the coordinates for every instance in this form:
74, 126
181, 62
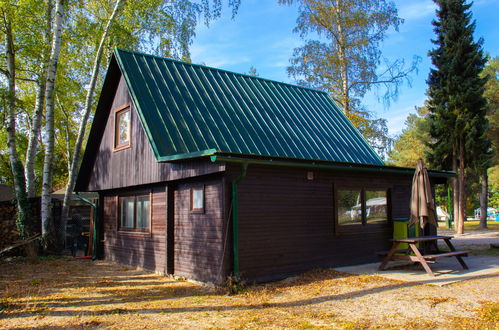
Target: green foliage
411, 144
493, 174
455, 89
165, 28
346, 55
491, 94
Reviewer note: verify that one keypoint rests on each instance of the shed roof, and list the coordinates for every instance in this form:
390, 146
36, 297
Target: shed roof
190, 110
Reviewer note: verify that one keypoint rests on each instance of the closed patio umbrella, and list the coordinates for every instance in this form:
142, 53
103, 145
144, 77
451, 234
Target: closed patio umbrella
422, 206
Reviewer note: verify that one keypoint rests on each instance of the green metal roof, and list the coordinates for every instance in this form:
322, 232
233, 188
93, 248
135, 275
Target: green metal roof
191, 110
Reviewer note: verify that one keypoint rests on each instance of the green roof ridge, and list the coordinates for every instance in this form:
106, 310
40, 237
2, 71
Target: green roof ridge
221, 70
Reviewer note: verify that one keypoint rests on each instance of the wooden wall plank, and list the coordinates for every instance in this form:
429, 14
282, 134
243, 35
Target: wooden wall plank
286, 222
135, 249
199, 237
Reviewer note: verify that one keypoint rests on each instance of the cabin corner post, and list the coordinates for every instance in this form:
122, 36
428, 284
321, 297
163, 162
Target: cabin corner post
235, 220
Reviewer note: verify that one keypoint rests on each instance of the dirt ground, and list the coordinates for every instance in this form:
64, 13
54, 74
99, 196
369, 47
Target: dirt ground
74, 293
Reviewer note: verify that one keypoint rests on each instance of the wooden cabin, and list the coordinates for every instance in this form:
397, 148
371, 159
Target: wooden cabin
204, 173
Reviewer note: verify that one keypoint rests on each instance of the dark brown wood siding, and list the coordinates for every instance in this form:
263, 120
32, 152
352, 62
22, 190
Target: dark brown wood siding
199, 236
401, 198
137, 164
287, 222
144, 250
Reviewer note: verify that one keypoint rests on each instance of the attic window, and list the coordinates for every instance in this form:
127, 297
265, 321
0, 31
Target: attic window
122, 127
197, 199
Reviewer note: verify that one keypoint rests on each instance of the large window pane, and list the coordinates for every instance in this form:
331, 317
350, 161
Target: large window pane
143, 212
349, 207
376, 206
126, 212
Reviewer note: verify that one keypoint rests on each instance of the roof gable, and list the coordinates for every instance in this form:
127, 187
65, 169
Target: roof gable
191, 110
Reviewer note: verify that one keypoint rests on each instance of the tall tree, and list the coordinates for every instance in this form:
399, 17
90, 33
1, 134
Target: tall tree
36, 122
456, 102
49, 119
345, 61
23, 219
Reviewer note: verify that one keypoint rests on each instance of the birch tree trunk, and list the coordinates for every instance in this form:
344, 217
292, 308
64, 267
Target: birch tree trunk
484, 200
47, 225
340, 39
23, 221
73, 171
38, 113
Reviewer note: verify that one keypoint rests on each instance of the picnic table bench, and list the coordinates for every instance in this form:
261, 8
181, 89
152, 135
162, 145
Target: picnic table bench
420, 255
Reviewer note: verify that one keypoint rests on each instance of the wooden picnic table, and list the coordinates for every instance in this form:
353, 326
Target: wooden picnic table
421, 255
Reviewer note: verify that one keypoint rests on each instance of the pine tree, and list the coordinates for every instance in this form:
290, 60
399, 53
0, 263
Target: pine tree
456, 103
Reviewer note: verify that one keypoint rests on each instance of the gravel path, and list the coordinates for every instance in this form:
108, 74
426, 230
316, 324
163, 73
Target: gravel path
472, 239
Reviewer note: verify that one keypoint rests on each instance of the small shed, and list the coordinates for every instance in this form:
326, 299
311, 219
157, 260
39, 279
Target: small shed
79, 211
204, 173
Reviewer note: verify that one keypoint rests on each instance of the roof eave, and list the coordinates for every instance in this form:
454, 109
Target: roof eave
191, 155
218, 156
327, 165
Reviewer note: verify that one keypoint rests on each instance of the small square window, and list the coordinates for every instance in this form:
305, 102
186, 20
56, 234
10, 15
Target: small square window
122, 129
197, 199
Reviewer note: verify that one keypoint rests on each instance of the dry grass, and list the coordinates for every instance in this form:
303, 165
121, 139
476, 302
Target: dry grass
474, 225
69, 293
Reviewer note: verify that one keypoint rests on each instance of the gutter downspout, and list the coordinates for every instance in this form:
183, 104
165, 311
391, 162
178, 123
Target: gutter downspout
235, 220
95, 239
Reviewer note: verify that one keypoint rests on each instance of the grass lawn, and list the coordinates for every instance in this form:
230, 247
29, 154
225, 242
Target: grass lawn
71, 293
474, 225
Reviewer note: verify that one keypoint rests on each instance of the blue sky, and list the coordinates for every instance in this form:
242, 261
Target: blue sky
261, 36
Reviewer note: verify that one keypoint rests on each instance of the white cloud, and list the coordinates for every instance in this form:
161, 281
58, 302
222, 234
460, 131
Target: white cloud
416, 9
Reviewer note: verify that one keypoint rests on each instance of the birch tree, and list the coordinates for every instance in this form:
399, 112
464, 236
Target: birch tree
49, 119
39, 104
23, 220
345, 59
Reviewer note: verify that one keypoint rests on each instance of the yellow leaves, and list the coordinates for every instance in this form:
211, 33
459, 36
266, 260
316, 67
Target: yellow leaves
103, 294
